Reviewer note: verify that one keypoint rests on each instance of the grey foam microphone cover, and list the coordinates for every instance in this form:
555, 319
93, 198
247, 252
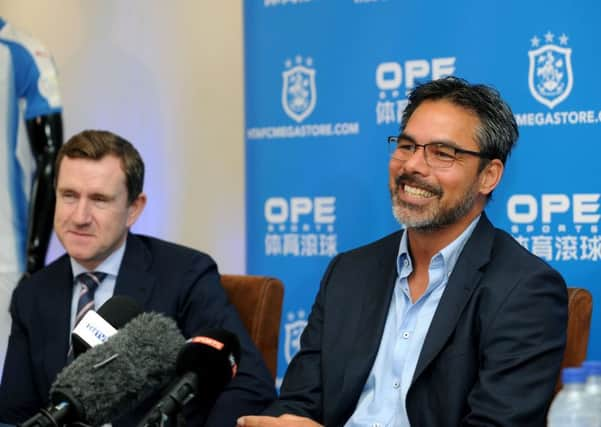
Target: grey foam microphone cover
109, 380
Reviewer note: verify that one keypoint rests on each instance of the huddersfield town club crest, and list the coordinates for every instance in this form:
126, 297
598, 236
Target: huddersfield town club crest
550, 77
294, 329
298, 90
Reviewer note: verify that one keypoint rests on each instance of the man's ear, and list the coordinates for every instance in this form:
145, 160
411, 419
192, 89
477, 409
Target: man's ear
135, 209
491, 176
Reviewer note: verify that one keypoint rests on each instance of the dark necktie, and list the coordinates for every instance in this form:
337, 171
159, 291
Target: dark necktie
89, 283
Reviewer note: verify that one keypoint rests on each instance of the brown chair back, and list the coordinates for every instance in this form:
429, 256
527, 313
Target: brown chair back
258, 300
580, 307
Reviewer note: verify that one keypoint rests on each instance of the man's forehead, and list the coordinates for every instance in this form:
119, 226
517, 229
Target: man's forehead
103, 173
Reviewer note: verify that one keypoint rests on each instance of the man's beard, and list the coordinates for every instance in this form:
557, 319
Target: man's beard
429, 218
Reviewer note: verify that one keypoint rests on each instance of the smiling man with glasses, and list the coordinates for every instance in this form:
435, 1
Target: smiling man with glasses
449, 321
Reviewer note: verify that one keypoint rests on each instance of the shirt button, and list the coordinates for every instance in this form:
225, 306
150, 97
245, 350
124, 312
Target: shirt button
376, 425
396, 384
406, 335
406, 263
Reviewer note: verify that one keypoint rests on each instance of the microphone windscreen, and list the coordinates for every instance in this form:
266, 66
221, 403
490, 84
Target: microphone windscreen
119, 309
213, 354
112, 378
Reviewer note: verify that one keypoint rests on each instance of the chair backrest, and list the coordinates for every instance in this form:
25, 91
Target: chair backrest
258, 300
580, 307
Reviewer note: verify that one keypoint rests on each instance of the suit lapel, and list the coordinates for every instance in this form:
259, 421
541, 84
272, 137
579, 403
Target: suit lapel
374, 294
54, 306
464, 279
134, 278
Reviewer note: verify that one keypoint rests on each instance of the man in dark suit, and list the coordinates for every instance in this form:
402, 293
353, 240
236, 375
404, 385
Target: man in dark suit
449, 322
99, 196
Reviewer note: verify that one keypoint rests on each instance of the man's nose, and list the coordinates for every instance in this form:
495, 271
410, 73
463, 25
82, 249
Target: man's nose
82, 212
417, 163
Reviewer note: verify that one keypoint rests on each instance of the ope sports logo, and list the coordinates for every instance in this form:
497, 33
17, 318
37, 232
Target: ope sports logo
279, 210
526, 209
301, 226
550, 76
557, 227
394, 80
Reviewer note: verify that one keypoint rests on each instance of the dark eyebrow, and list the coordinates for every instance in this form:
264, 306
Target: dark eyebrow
405, 137
102, 196
65, 190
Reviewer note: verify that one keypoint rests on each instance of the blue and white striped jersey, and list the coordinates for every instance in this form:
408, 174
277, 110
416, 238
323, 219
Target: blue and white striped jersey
28, 89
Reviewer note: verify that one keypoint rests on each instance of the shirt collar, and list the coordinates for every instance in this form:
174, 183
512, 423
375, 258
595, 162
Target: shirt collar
109, 266
448, 255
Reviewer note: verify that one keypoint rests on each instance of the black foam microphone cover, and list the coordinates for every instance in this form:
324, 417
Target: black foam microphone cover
119, 309
112, 378
214, 355
205, 364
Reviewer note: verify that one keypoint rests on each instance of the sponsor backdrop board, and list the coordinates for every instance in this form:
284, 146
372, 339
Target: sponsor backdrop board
326, 83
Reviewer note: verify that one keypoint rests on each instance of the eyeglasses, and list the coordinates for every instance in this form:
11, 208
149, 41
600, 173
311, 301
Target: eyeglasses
436, 154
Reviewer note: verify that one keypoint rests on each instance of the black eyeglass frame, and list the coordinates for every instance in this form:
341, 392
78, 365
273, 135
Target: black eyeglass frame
395, 140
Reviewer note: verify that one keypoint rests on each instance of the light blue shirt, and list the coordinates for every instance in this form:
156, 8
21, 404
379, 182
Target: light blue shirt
105, 290
382, 401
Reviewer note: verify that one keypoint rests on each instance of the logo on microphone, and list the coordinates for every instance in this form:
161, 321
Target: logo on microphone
97, 333
294, 328
207, 341
550, 76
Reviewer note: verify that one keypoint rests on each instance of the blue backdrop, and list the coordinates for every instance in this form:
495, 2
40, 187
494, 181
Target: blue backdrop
326, 83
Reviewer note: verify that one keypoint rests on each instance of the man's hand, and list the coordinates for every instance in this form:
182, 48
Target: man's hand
285, 420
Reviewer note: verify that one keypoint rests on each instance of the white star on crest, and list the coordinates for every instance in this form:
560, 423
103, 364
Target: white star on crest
298, 59
309, 61
535, 41
549, 37
563, 40
288, 63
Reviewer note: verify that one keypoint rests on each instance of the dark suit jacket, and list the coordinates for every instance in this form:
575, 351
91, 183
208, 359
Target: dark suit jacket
492, 354
163, 277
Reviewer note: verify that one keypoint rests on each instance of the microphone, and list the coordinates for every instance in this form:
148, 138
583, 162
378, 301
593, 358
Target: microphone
207, 362
112, 378
96, 327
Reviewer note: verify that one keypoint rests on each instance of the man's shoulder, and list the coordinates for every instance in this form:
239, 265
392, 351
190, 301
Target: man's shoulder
49, 276
508, 250
164, 250
510, 265
494, 247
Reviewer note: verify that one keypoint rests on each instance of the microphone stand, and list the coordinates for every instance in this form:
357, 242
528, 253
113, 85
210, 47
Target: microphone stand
164, 413
46, 417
